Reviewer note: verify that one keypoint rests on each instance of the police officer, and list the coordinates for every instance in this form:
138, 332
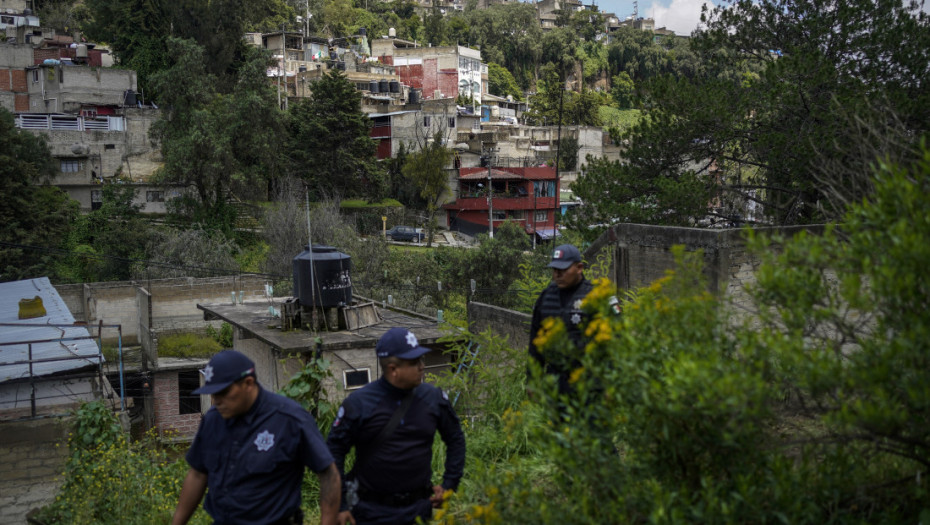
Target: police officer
391, 423
562, 299
251, 451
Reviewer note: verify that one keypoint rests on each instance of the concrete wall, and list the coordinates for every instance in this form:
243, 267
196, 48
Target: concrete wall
31, 463
512, 325
634, 255
172, 307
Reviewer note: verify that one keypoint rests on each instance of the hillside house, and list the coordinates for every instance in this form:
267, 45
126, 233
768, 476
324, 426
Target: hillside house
526, 195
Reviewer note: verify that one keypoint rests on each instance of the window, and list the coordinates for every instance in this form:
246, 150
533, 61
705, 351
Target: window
499, 215
188, 402
451, 122
542, 215
356, 378
6, 19
544, 188
71, 166
426, 121
35, 76
154, 196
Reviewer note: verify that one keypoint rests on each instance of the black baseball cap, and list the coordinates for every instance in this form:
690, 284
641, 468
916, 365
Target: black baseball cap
399, 342
564, 256
224, 369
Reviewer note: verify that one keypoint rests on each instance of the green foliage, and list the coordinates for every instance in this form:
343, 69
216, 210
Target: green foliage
189, 345
622, 90
619, 120
94, 425
306, 387
110, 481
32, 214
502, 83
769, 94
426, 170
224, 336
329, 146
844, 312
553, 103
208, 131
105, 242
184, 252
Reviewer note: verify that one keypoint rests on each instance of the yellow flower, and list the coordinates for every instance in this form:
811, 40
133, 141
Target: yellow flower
575, 375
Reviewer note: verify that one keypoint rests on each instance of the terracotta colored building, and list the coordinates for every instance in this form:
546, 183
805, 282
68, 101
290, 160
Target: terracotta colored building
529, 196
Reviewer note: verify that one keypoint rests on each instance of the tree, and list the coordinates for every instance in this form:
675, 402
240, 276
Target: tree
329, 145
779, 85
186, 252
216, 141
426, 169
34, 215
622, 90
845, 316
106, 242
502, 83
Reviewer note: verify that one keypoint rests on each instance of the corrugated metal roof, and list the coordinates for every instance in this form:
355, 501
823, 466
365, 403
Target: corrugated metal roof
62, 344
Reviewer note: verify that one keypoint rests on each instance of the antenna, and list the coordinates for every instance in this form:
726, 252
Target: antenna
635, 10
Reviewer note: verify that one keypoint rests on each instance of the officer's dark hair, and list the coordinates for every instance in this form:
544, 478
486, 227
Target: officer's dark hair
389, 360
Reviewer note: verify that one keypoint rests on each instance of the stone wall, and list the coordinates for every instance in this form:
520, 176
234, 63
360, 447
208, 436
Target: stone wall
32, 462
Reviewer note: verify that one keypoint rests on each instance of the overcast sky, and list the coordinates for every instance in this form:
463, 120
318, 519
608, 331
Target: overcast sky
681, 16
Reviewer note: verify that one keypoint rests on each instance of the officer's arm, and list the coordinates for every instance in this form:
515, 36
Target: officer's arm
339, 441
195, 484
330, 490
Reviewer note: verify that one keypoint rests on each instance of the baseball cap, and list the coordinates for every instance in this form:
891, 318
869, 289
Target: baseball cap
399, 342
564, 256
224, 369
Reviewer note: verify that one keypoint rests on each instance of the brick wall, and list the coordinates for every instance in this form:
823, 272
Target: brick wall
18, 81
448, 82
34, 454
5, 83
21, 103
167, 414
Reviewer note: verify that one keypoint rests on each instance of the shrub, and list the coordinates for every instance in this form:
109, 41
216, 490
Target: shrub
188, 345
108, 480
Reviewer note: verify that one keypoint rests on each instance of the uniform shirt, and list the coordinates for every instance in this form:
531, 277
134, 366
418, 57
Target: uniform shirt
564, 304
255, 462
403, 464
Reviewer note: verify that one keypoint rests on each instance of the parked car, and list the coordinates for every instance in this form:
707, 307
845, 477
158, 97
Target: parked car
405, 233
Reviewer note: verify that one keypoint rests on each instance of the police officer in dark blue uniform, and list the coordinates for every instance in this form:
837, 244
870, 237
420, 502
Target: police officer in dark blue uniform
391, 423
562, 299
251, 451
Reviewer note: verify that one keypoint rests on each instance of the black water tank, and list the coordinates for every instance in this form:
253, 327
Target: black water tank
373, 86
414, 96
362, 31
331, 270
383, 85
395, 86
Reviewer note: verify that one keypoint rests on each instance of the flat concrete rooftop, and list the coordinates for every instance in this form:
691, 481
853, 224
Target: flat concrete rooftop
253, 318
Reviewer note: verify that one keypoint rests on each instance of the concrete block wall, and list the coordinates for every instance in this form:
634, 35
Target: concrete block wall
513, 325
34, 454
172, 302
167, 413
114, 304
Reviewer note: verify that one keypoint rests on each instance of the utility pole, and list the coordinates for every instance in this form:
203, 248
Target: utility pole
284, 61
490, 158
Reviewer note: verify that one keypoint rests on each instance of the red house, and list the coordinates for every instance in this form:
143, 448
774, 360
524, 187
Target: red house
529, 196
